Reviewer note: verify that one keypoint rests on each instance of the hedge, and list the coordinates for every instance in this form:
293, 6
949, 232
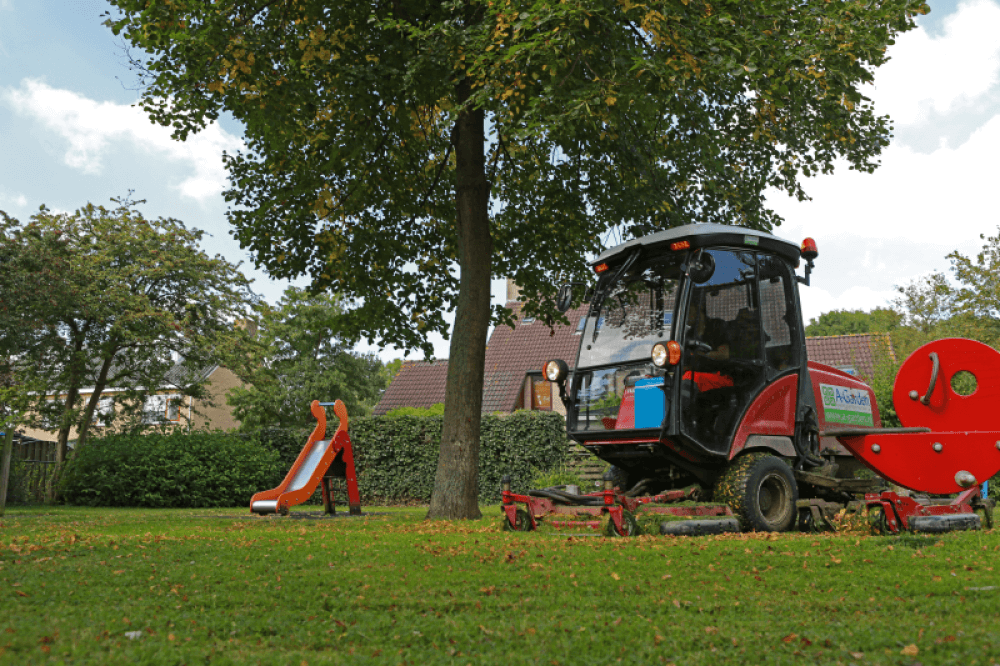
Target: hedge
198, 469
396, 460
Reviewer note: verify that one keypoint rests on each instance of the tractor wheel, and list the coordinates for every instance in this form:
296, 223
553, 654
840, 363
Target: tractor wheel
760, 489
630, 526
522, 522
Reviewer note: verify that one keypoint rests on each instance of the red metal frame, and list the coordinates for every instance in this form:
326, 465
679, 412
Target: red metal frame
899, 511
614, 504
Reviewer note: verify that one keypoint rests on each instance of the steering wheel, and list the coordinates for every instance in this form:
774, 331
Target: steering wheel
699, 346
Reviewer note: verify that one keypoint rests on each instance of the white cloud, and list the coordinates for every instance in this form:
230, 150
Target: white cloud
91, 129
941, 73
7, 199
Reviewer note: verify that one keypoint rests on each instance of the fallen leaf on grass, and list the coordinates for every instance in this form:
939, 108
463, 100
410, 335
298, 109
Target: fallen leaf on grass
857, 655
910, 650
615, 576
20, 593
711, 630
789, 638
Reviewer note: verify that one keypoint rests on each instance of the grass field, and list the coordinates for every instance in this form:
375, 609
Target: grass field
89, 586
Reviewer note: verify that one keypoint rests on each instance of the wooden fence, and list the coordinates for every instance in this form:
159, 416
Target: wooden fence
32, 463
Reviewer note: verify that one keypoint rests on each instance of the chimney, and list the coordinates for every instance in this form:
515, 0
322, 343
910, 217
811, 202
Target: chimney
513, 291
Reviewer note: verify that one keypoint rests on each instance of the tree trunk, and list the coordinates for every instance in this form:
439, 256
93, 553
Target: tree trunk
77, 370
62, 444
95, 399
456, 482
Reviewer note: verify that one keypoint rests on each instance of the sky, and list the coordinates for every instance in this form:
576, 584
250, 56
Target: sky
69, 134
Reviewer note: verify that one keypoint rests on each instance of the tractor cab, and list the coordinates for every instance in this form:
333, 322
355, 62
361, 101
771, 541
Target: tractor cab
687, 328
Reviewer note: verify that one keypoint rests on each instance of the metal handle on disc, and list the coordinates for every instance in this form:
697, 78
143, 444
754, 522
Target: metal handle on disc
936, 367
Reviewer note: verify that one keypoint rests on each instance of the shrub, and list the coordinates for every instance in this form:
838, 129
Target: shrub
195, 469
396, 458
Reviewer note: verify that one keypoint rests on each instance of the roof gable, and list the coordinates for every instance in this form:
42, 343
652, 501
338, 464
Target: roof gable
513, 352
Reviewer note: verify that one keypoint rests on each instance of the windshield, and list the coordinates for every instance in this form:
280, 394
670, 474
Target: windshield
634, 312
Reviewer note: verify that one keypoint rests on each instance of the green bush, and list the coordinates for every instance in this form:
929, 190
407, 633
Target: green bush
195, 469
396, 458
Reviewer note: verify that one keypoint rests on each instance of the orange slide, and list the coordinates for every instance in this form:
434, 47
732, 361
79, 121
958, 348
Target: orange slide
310, 468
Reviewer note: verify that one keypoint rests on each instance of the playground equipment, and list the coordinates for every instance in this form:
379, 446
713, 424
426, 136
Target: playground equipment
320, 460
692, 372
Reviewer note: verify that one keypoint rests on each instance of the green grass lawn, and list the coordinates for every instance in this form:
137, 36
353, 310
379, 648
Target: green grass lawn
218, 586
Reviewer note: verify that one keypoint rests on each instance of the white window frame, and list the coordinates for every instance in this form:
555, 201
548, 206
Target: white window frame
160, 407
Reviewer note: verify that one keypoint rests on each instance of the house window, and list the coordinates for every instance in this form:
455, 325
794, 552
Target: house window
105, 407
527, 320
161, 409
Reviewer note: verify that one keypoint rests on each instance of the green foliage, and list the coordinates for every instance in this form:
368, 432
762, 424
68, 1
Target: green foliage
851, 322
295, 356
882, 382
626, 116
433, 410
978, 293
195, 469
563, 475
104, 297
396, 458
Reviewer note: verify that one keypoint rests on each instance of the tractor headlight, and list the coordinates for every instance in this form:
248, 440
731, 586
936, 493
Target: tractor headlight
555, 371
664, 354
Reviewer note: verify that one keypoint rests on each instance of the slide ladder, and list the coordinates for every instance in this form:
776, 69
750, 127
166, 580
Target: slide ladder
318, 460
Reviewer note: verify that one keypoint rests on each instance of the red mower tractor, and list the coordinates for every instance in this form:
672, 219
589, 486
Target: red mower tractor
692, 381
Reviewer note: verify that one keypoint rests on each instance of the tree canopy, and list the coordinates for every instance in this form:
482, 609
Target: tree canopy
402, 153
853, 322
299, 357
106, 298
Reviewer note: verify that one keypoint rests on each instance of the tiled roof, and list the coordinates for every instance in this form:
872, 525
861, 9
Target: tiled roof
513, 352
417, 384
510, 354
861, 351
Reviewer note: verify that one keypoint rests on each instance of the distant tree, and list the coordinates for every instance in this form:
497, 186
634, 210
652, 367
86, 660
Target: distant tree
104, 297
978, 279
299, 356
403, 153
392, 368
851, 322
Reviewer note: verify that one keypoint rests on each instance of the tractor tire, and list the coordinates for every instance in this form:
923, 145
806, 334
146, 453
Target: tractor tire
760, 488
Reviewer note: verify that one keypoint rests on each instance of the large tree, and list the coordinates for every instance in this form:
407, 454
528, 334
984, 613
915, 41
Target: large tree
106, 298
298, 357
402, 152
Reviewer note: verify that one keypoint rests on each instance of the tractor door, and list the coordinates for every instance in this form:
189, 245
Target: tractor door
723, 364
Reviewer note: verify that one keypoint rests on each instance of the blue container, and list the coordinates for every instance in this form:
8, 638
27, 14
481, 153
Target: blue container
649, 403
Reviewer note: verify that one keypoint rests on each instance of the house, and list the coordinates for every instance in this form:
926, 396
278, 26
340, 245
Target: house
168, 406
514, 359
857, 354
